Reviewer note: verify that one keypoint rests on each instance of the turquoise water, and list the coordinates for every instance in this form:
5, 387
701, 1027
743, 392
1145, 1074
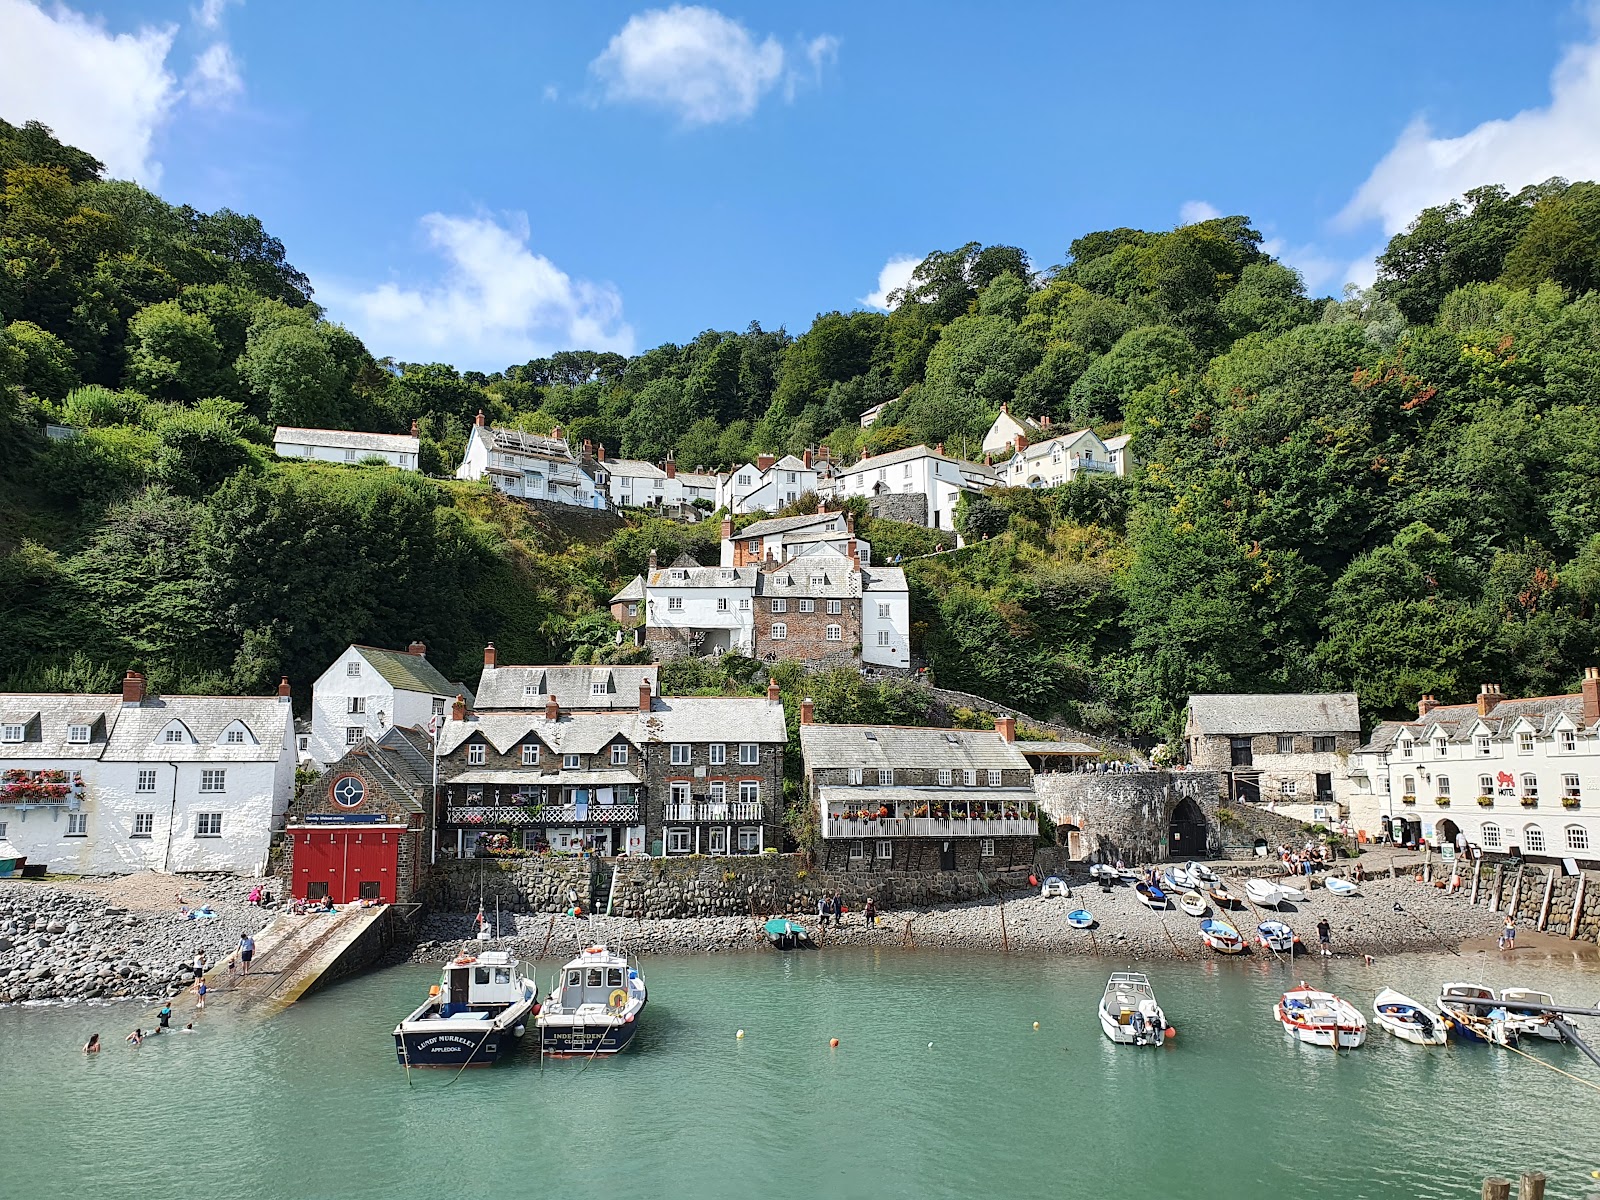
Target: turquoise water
312, 1104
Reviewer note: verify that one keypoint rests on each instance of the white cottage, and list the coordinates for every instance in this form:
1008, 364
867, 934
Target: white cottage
915, 471
348, 446
368, 690
533, 467
107, 784
767, 484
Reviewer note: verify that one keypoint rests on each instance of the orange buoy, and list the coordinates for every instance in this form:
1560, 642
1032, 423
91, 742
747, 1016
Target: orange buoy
834, 1043
1033, 881
1172, 1033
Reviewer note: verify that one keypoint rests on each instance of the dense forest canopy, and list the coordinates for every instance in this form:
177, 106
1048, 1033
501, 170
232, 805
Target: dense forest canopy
1393, 492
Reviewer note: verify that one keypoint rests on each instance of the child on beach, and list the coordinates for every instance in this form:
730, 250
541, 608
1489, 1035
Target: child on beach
1508, 935
200, 992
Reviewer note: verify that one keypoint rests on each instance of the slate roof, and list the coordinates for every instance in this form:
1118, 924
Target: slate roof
45, 716
1120, 442
395, 763
347, 439
1458, 722
671, 719
714, 719
1219, 715
633, 468
506, 687
794, 577
883, 579
407, 672
1077, 749
633, 591
895, 457
138, 726
785, 524
698, 576
871, 746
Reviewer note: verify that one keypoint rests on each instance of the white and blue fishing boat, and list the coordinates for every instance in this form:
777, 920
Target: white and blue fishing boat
1193, 903
594, 1007
473, 1016
785, 934
1080, 918
1150, 895
1222, 937
1264, 893
1408, 1020
1199, 873
1176, 881
1129, 1014
1340, 887
1275, 935
1534, 1024
1475, 1014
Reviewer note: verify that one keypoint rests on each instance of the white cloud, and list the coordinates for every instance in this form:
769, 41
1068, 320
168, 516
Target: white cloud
1562, 138
215, 77
1322, 273
1192, 212
896, 273
498, 302
703, 66
103, 92
209, 14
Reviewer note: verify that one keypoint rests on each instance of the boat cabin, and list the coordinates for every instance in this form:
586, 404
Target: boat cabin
593, 979
488, 982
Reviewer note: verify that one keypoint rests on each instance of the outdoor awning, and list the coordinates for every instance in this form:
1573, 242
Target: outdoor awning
547, 779
861, 797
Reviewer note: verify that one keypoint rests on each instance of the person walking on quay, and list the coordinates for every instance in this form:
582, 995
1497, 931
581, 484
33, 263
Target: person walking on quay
1508, 935
199, 963
838, 909
1325, 937
247, 951
92, 1046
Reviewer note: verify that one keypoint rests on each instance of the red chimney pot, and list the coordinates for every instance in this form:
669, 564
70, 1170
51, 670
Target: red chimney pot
489, 655
133, 688
807, 711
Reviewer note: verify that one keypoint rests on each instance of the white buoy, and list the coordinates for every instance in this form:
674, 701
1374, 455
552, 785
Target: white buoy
930, 1045
740, 1034
1036, 1024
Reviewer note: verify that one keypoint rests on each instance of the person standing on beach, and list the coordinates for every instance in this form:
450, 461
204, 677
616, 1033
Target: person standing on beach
1325, 937
1508, 935
200, 992
822, 909
199, 963
247, 951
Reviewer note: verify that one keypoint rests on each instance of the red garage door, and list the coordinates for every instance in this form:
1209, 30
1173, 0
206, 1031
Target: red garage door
346, 863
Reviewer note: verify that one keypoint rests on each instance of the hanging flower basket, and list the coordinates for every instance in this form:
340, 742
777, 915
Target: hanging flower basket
1485, 801
1529, 801
1442, 801
1408, 799
1570, 802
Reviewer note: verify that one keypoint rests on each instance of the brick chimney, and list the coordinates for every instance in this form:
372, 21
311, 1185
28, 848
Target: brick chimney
1591, 695
458, 709
1488, 697
853, 555
1005, 408
806, 458
556, 433
1020, 442
644, 695
478, 420
600, 452
652, 560
283, 689
823, 453
1006, 727
420, 649
939, 449
850, 523
1044, 421
133, 688
727, 528
413, 427
764, 462
588, 448
670, 466
489, 655
807, 711
1425, 706
552, 710
773, 695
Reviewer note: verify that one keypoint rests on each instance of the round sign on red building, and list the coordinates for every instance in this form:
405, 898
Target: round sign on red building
348, 791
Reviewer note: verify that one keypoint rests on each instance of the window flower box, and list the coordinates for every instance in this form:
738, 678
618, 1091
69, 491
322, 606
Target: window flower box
1442, 801
1485, 801
1570, 802
1530, 801
1408, 799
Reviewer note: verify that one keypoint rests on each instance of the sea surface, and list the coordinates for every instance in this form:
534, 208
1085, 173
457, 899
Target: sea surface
940, 1087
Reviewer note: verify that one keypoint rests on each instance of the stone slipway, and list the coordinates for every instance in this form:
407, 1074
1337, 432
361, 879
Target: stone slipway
297, 954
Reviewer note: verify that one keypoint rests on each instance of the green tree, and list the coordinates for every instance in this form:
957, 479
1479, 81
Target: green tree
172, 354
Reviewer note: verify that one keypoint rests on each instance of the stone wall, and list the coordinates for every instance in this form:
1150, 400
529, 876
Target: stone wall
524, 884
1521, 889
909, 507
1128, 815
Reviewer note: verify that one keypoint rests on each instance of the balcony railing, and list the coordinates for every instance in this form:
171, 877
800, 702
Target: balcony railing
710, 810
549, 814
878, 827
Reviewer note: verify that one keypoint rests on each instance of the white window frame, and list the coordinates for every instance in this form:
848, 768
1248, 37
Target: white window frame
857, 776
146, 781
885, 776
144, 824
1285, 743
808, 606
678, 791
749, 754
717, 791
1569, 741
722, 604
475, 754
995, 777
12, 733
883, 609
946, 777
749, 840
173, 737
780, 605
985, 847
1442, 782
1571, 787
716, 840
597, 689
78, 735
572, 762
353, 734
77, 824
858, 850
1483, 744
1524, 742
678, 841
352, 670
780, 632
835, 633
885, 850
1530, 786
681, 754
355, 704
883, 637
213, 779
718, 753
530, 754
1577, 838
1530, 835
208, 824
619, 754
674, 603
749, 791
1289, 787
835, 607
1490, 835
744, 604
234, 737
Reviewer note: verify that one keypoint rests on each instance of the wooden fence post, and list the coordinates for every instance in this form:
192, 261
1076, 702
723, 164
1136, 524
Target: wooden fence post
1549, 893
1495, 1188
1516, 892
1494, 899
1532, 1187
1577, 908
1477, 878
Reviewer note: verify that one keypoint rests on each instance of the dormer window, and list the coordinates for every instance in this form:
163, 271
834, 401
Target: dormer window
1405, 748
234, 737
1569, 740
1524, 742
78, 735
11, 733
1441, 747
530, 754
529, 689
475, 755
597, 689
679, 575
1481, 742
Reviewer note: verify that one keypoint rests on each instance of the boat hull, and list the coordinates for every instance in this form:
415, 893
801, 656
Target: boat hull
438, 1044
584, 1041
1342, 1039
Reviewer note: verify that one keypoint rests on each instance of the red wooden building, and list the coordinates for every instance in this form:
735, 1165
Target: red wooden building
361, 830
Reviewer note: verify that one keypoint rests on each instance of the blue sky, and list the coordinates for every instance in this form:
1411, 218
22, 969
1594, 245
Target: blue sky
483, 183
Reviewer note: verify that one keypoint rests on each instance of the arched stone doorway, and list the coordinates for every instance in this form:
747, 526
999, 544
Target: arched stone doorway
1445, 832
1187, 833
1071, 837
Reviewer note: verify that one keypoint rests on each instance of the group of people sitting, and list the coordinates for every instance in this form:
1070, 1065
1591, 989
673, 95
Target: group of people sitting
1303, 862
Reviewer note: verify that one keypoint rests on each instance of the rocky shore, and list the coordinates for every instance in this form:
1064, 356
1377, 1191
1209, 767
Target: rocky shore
1369, 923
119, 938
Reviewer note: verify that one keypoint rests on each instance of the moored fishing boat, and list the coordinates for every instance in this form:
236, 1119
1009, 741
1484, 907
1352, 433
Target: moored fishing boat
1475, 1014
1150, 895
784, 933
1320, 1018
1408, 1020
1129, 1014
1222, 937
1080, 918
472, 1017
1533, 1024
1194, 904
1291, 894
1054, 886
1275, 935
1174, 881
594, 1007
1264, 893
1104, 873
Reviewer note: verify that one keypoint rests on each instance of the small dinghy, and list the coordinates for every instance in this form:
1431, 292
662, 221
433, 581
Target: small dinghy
1533, 1024
1320, 1018
1222, 937
1475, 1014
1264, 893
1408, 1020
1199, 873
1054, 886
784, 933
1275, 935
1127, 875
1129, 1014
1341, 887
1150, 895
1080, 918
1194, 904
1292, 895
1104, 873
1223, 898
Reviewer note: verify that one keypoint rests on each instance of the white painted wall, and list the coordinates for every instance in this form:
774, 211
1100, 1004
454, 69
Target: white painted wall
406, 460
896, 623
330, 706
